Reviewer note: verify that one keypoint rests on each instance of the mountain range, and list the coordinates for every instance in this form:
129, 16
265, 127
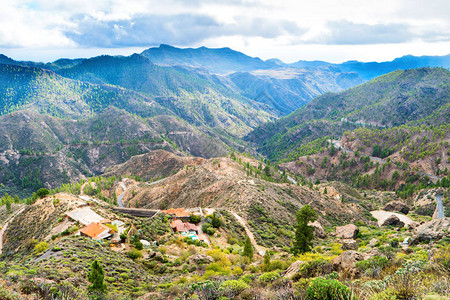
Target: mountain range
202, 102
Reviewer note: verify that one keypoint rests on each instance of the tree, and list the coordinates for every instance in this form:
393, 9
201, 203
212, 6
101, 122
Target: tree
266, 260
8, 204
42, 192
96, 277
248, 248
304, 233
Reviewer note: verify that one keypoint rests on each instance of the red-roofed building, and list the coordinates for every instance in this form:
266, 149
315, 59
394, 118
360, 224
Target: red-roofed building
177, 226
96, 231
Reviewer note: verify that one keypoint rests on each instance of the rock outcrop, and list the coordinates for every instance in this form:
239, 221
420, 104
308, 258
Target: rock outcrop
435, 230
397, 206
200, 259
318, 230
293, 268
349, 231
345, 263
349, 244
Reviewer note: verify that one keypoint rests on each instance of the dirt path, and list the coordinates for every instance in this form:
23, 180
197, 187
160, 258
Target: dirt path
382, 215
261, 251
2, 231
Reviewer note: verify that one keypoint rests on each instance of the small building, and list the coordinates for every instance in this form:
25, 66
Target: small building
191, 227
177, 226
85, 215
178, 213
96, 231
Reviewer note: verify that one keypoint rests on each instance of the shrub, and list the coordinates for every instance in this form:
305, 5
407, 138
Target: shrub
194, 219
134, 254
313, 268
327, 289
373, 266
232, 288
41, 247
9, 295
41, 193
269, 277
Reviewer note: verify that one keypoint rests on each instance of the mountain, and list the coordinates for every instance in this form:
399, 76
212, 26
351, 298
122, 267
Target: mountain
42, 151
369, 70
287, 89
221, 61
198, 98
44, 91
389, 100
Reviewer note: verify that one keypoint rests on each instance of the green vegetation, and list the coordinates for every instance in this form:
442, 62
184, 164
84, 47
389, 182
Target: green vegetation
304, 232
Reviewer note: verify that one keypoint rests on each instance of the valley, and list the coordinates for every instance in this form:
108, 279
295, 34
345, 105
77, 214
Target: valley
200, 173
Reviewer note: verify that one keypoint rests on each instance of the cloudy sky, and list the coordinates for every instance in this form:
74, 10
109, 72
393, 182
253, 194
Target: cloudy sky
331, 30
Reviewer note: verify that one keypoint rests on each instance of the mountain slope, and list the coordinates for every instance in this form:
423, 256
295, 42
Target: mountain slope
199, 98
44, 91
38, 150
287, 89
389, 100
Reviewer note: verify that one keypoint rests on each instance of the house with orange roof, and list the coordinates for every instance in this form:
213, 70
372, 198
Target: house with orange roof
96, 231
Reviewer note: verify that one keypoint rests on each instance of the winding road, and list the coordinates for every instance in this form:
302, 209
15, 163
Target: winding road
124, 188
439, 207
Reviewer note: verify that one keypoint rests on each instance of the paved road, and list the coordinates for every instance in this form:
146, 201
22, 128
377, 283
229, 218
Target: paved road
440, 207
337, 144
120, 198
292, 180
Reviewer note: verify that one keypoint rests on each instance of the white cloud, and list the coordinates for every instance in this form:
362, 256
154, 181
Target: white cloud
284, 26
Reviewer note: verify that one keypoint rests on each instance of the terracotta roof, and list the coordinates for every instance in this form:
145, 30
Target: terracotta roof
96, 231
190, 226
177, 226
178, 212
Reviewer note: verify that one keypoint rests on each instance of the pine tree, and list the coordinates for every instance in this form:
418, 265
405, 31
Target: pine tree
304, 233
248, 248
96, 277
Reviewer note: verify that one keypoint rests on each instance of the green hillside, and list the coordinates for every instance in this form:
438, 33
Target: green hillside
416, 95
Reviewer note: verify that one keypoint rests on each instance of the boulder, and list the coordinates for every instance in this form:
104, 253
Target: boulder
373, 242
397, 206
393, 220
200, 259
156, 256
435, 230
349, 231
318, 230
413, 225
293, 269
348, 244
345, 263
372, 253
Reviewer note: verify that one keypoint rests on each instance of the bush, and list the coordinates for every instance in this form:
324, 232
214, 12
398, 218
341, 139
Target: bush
373, 266
41, 193
134, 254
195, 219
313, 268
41, 247
269, 277
9, 295
232, 288
327, 289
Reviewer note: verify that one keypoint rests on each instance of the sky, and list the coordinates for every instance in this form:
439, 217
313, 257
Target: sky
291, 30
